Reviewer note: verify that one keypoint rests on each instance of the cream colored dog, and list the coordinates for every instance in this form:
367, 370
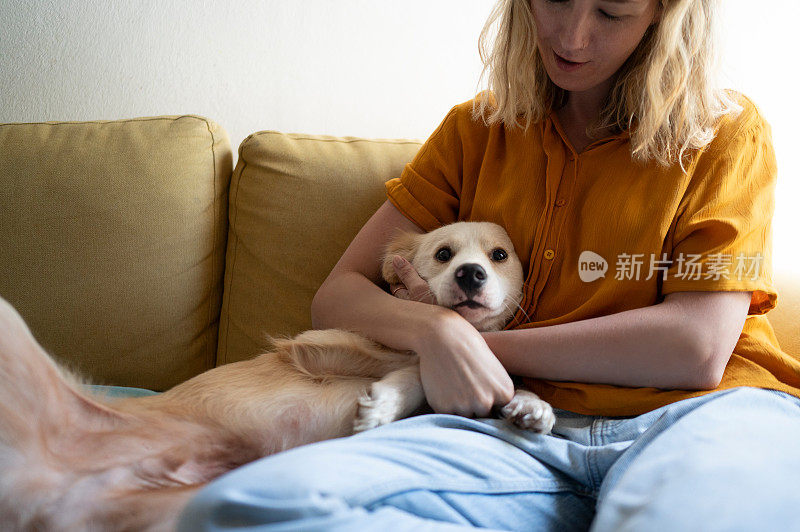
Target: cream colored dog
72, 461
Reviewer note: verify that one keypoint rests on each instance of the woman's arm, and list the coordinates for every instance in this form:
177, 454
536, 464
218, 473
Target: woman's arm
682, 343
351, 297
459, 373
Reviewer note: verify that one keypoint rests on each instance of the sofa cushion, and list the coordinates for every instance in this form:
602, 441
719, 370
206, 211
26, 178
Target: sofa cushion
112, 242
296, 202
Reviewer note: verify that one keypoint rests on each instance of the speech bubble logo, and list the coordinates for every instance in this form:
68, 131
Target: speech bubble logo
591, 266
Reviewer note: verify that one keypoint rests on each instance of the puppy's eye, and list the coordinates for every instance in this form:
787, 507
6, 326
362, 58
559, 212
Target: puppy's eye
444, 254
499, 255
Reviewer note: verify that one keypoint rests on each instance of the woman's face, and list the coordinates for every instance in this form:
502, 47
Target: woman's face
584, 42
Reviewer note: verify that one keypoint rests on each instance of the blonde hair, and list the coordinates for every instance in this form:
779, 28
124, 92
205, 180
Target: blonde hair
665, 94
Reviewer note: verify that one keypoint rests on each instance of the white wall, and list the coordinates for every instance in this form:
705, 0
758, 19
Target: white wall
761, 60
373, 68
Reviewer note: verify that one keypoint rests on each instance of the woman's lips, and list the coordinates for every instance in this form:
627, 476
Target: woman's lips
567, 66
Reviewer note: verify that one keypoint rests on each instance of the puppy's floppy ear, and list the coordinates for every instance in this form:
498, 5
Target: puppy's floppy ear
405, 245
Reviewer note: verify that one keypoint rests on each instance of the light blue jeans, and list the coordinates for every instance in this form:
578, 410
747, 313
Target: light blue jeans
725, 461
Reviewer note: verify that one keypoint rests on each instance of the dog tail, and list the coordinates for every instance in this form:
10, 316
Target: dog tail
40, 409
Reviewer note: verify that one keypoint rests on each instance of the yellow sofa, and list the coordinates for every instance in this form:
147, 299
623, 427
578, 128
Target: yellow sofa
139, 258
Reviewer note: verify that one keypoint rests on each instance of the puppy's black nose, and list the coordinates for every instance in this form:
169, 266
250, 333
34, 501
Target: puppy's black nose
470, 277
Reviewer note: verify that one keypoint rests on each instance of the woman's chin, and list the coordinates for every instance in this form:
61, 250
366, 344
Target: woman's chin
577, 81
570, 83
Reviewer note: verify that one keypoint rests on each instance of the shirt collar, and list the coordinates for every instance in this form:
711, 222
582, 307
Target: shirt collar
552, 123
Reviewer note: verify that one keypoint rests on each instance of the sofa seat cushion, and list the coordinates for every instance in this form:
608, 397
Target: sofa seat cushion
112, 242
296, 202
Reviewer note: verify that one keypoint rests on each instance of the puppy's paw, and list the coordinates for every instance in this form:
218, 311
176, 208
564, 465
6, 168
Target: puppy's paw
528, 412
378, 406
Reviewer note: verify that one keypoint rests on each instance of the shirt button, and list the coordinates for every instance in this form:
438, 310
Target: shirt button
561, 202
549, 254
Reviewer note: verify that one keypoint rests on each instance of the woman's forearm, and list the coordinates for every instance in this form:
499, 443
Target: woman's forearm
646, 347
351, 301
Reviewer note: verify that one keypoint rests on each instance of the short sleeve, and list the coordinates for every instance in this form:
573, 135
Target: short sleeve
722, 234
428, 190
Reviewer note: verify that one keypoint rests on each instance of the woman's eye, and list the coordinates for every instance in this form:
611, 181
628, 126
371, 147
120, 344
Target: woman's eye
444, 254
609, 16
499, 255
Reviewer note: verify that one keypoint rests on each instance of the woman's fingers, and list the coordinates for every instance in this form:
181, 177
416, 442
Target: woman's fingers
399, 290
417, 288
406, 272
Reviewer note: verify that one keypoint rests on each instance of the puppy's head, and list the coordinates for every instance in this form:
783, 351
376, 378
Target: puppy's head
471, 267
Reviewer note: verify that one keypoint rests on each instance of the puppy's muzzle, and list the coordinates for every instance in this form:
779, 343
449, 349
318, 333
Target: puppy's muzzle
470, 278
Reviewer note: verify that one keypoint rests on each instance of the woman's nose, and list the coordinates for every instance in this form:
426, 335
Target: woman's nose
575, 32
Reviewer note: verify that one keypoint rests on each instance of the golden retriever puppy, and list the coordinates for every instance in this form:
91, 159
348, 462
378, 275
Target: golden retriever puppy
73, 461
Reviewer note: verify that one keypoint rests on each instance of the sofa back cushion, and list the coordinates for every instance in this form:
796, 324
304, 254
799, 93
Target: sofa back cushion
296, 202
112, 242
785, 317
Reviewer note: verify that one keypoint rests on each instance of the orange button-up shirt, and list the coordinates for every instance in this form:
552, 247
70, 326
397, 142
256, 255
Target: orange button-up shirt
599, 234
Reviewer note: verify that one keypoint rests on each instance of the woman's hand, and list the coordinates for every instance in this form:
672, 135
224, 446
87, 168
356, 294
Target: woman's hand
412, 287
459, 373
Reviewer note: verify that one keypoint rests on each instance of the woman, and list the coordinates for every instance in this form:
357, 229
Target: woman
604, 140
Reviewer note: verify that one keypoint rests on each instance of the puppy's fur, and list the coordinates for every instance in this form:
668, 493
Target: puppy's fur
72, 461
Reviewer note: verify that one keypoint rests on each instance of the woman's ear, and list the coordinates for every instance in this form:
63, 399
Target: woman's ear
405, 245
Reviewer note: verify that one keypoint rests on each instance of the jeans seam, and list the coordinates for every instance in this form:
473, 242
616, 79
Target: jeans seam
375, 494
592, 473
783, 395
